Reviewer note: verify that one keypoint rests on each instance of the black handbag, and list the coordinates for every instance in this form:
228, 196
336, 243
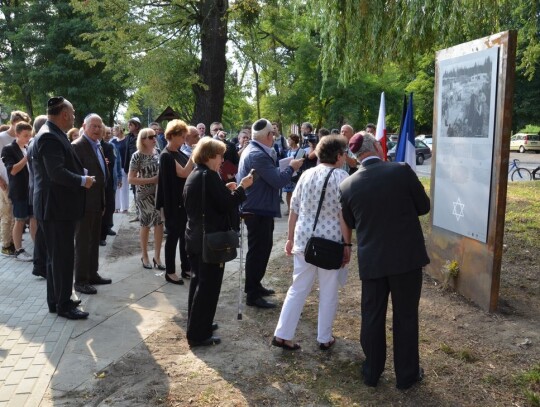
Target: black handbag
217, 247
322, 252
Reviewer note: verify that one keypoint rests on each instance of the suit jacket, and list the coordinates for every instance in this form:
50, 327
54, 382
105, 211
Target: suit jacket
58, 194
382, 201
18, 184
95, 196
109, 150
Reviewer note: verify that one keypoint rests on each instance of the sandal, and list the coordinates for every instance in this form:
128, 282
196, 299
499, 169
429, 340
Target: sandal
327, 345
282, 344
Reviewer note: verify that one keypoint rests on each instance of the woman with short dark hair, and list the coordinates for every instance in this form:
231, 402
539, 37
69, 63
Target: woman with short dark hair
221, 204
331, 152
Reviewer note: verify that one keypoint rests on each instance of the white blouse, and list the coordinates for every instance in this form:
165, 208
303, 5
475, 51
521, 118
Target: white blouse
305, 200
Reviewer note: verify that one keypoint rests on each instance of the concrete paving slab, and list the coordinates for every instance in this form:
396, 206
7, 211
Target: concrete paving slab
119, 334
164, 302
74, 369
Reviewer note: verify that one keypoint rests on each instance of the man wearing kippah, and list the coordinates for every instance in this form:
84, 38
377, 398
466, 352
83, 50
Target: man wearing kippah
261, 206
392, 189
59, 182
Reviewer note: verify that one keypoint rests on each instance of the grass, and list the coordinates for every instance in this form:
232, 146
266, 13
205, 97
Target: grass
529, 381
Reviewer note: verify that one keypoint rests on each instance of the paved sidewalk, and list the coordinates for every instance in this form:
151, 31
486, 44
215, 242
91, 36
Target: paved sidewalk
40, 351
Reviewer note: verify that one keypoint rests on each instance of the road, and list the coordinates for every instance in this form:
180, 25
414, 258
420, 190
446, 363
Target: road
527, 160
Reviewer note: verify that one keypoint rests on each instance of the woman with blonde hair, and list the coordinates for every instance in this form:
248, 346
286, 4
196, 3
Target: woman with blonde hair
73, 134
143, 173
174, 168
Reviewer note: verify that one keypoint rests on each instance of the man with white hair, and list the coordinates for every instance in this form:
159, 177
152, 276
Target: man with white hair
380, 187
262, 205
87, 235
192, 138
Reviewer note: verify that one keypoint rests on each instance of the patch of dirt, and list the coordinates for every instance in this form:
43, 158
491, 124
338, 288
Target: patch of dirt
470, 357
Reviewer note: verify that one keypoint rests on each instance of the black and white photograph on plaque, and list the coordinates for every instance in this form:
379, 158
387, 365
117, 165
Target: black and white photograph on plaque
465, 103
467, 96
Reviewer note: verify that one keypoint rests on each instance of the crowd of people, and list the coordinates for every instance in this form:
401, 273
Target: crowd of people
65, 184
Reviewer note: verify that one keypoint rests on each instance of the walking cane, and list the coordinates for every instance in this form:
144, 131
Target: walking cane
240, 304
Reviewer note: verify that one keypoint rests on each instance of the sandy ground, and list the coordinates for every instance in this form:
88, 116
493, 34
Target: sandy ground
471, 358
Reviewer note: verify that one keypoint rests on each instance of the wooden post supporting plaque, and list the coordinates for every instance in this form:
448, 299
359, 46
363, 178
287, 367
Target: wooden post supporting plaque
474, 84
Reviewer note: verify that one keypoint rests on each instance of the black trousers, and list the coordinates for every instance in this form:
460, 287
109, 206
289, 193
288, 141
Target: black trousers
107, 218
204, 290
260, 240
59, 237
87, 247
405, 290
40, 251
176, 231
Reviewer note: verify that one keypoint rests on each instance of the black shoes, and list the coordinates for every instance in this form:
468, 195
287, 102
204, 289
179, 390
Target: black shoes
260, 303
265, 292
215, 326
170, 280
111, 232
157, 265
186, 274
38, 273
100, 280
103, 243
418, 379
146, 266
213, 340
73, 304
85, 288
74, 313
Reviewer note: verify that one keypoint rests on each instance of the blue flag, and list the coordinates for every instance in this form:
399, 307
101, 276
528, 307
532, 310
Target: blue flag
405, 150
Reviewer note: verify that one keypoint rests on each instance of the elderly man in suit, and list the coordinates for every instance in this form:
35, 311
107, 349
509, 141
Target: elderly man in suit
87, 235
59, 183
382, 201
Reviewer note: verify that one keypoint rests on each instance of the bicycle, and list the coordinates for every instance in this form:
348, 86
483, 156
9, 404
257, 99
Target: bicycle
518, 173
534, 172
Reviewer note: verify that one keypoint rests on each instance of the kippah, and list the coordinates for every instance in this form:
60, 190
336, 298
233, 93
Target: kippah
260, 124
355, 143
55, 101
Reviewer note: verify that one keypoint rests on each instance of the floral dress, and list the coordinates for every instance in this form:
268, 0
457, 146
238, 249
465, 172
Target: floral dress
146, 166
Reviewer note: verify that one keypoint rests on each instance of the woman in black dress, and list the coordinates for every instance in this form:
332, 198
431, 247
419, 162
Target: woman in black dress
174, 167
221, 204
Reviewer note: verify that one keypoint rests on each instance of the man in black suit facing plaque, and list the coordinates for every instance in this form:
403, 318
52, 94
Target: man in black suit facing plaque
59, 185
382, 201
87, 234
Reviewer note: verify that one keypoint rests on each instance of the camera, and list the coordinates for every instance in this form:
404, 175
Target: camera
310, 138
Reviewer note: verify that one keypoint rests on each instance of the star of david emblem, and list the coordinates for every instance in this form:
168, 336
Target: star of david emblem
458, 209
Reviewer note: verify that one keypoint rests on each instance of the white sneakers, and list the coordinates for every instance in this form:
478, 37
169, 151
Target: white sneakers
22, 255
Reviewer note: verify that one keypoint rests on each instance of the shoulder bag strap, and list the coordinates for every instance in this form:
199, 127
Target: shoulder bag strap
203, 200
322, 198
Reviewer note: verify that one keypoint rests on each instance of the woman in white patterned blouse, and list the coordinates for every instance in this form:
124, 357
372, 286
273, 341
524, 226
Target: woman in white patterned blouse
331, 152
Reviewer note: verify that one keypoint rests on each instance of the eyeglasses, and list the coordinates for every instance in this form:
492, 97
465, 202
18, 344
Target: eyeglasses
149, 137
218, 129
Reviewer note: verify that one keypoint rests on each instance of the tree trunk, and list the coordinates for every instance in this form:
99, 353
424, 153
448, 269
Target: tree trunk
210, 90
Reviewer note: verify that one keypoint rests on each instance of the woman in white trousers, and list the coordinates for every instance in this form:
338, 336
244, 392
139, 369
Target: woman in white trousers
331, 151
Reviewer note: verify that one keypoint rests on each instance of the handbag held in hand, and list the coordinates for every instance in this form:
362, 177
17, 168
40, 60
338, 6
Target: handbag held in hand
218, 247
322, 252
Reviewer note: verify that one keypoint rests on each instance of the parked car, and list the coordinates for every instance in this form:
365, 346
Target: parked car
428, 139
423, 152
525, 142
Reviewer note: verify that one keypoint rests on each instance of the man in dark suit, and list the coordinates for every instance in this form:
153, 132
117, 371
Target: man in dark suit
88, 231
114, 181
382, 201
59, 183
